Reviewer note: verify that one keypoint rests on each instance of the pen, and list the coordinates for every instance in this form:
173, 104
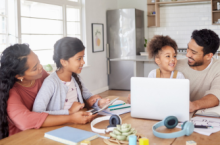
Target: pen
116, 105
120, 108
202, 126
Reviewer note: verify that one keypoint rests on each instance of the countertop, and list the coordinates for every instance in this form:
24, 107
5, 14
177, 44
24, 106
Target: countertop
141, 58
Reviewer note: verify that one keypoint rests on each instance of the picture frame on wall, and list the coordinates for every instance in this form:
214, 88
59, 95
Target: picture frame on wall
97, 37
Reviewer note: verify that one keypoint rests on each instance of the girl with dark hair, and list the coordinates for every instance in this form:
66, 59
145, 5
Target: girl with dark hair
63, 92
164, 50
21, 76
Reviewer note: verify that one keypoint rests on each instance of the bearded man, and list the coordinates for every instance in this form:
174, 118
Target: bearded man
202, 70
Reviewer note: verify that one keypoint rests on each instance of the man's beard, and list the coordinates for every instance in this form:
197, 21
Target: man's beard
196, 63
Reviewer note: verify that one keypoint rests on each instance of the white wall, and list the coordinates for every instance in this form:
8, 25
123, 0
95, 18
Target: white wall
138, 4
175, 21
95, 75
179, 22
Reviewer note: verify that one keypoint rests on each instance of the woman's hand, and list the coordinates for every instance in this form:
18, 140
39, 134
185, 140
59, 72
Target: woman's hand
76, 106
129, 99
103, 102
82, 117
93, 99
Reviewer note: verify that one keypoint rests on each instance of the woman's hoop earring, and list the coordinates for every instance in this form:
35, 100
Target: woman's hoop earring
21, 80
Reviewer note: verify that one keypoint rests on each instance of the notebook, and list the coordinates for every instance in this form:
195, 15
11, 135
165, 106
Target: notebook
70, 135
107, 112
214, 122
213, 112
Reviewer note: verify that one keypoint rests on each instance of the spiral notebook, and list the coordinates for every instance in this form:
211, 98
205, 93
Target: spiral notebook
70, 135
107, 111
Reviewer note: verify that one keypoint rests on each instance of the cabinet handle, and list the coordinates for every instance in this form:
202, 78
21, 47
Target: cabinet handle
108, 67
107, 50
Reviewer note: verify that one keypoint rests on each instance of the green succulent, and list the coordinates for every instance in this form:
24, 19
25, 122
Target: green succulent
122, 132
48, 68
145, 42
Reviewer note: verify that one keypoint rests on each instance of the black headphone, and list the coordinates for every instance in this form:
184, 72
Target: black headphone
114, 121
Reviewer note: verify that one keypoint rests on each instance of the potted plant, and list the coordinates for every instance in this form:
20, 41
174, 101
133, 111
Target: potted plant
145, 43
48, 68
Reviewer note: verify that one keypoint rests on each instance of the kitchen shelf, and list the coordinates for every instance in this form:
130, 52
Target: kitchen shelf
187, 1
151, 3
152, 27
151, 15
216, 11
154, 21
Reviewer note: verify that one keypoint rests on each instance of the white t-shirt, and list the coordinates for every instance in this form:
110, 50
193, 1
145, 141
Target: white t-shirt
153, 74
71, 95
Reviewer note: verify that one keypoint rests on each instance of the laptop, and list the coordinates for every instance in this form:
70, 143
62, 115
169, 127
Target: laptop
157, 98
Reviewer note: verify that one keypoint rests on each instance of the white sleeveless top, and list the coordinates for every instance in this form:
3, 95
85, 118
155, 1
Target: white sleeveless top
71, 96
153, 74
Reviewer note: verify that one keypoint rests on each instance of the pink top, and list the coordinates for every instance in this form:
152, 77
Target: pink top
71, 96
20, 105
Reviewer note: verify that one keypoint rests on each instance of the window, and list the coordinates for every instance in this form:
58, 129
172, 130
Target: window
7, 23
39, 23
42, 24
41, 27
73, 22
3, 29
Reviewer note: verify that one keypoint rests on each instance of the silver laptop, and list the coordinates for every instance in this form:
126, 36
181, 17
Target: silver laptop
157, 98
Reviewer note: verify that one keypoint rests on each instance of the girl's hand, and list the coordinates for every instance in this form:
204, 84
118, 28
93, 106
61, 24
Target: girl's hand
103, 102
93, 99
82, 117
76, 106
129, 99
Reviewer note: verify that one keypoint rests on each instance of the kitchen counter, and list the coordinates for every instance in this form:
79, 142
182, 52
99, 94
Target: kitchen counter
142, 64
141, 58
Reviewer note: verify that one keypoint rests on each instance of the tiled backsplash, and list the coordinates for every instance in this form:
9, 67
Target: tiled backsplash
179, 22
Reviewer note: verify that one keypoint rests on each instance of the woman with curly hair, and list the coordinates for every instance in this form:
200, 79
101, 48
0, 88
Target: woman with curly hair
163, 50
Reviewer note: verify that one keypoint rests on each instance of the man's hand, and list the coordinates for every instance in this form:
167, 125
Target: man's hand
93, 99
192, 106
76, 106
207, 101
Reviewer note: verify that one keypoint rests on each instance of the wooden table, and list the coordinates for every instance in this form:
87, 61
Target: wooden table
143, 126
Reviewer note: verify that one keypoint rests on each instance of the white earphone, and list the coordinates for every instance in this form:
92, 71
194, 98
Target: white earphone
113, 121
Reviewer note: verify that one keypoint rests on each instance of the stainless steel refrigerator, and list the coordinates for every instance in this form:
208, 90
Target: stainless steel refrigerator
125, 37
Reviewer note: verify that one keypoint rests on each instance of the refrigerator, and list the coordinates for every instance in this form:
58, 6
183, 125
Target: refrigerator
125, 37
